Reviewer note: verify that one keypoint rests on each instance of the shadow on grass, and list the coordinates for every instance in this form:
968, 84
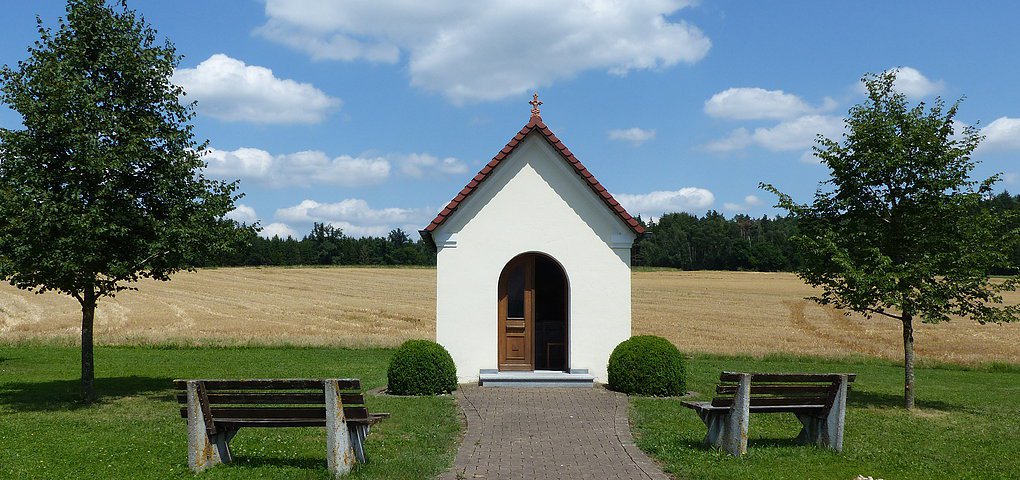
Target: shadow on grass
864, 399
65, 394
773, 442
310, 463
700, 444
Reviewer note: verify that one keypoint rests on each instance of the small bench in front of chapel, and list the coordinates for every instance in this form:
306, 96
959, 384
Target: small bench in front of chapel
216, 409
817, 399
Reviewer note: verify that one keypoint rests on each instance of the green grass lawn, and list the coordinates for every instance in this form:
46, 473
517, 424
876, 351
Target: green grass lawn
134, 431
967, 426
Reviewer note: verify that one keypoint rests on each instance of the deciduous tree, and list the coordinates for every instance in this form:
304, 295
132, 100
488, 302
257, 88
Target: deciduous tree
900, 229
103, 185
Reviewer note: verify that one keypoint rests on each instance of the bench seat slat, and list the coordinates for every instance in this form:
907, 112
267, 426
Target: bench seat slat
707, 406
772, 401
273, 398
777, 389
295, 422
220, 414
786, 377
271, 384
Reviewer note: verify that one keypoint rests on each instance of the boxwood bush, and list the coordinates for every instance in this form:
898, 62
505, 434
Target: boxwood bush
647, 365
421, 367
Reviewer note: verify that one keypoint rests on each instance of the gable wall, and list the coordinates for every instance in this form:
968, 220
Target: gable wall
534, 202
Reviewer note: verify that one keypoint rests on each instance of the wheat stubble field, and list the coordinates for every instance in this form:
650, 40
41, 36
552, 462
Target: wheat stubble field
713, 312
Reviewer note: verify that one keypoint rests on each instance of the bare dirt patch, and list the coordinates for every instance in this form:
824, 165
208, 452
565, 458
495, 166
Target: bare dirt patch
712, 312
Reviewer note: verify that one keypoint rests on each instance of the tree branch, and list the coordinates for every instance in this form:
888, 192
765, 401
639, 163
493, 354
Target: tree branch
883, 312
137, 266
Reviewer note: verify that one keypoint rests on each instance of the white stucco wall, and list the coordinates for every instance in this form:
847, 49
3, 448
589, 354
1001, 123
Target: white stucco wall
533, 202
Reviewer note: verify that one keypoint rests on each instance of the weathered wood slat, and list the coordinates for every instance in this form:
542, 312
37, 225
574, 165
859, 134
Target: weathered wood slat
271, 384
272, 413
763, 401
298, 422
707, 406
777, 389
787, 377
275, 422
273, 398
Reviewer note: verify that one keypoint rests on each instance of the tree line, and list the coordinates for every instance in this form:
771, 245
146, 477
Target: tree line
714, 242
675, 240
324, 245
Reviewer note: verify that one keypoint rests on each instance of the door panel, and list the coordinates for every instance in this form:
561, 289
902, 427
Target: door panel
517, 314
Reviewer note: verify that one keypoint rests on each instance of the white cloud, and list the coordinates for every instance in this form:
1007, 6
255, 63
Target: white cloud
1010, 178
476, 51
738, 139
810, 158
799, 133
281, 230
758, 103
1001, 134
654, 204
911, 82
635, 135
356, 217
750, 201
418, 165
296, 169
796, 134
354, 212
243, 213
230, 90
352, 230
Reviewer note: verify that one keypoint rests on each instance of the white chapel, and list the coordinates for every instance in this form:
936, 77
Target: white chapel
533, 265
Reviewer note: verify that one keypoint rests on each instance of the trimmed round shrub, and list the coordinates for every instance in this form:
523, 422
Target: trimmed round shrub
421, 367
647, 365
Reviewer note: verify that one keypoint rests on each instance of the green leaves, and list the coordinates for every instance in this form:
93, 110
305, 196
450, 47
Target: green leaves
103, 186
900, 226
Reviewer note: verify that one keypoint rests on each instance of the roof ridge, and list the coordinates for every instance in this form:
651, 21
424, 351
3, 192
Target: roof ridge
535, 123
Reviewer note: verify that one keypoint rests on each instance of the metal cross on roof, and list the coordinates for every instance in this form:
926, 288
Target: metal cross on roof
535, 102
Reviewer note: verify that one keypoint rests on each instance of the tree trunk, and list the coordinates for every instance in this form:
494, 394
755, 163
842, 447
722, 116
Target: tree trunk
88, 373
908, 361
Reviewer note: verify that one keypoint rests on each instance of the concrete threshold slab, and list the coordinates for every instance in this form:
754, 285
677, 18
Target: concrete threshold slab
537, 378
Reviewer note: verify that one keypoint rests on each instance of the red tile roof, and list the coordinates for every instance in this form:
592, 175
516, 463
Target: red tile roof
536, 125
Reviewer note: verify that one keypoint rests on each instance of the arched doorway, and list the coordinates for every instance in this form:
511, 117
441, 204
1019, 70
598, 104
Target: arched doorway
533, 312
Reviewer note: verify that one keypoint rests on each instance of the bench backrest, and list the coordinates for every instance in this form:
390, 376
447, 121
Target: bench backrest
296, 401
782, 389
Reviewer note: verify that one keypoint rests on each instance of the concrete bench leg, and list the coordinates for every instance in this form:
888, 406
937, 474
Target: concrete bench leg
728, 429
222, 443
203, 451
358, 434
826, 430
340, 456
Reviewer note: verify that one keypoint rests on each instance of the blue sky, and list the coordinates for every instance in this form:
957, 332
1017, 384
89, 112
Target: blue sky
371, 115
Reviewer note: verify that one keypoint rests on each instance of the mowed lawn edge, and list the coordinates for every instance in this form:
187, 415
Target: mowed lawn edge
135, 431
965, 426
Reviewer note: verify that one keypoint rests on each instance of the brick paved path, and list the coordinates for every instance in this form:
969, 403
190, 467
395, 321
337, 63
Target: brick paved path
548, 433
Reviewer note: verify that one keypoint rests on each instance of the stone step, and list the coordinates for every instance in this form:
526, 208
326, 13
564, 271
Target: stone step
538, 378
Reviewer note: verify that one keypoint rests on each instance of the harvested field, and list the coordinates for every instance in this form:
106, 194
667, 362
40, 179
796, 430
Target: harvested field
714, 312
752, 313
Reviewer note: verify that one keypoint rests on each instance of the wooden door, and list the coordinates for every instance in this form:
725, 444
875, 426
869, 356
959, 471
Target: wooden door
517, 314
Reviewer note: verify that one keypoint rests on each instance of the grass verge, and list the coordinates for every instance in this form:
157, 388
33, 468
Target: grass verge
965, 426
134, 430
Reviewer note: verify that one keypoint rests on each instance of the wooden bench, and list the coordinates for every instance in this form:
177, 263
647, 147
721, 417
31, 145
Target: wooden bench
216, 409
817, 399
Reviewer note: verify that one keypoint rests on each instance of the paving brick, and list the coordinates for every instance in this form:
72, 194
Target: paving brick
569, 433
